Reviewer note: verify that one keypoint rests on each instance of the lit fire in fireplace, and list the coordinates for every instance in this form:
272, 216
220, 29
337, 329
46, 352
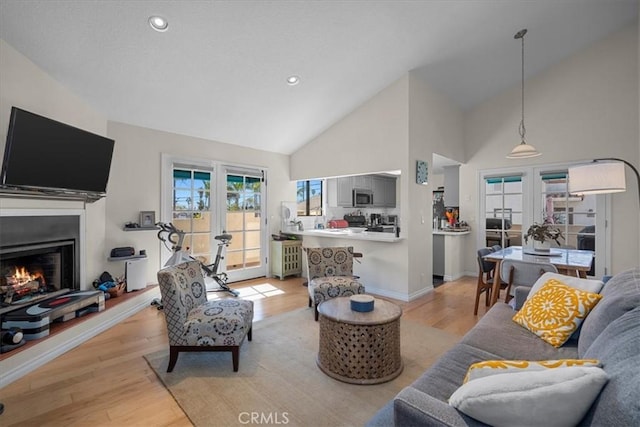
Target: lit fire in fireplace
22, 276
19, 282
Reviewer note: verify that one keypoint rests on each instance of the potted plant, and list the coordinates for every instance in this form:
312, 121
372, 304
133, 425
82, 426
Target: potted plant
542, 234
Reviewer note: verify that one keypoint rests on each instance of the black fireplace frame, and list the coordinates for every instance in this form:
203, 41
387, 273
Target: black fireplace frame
39, 231
63, 278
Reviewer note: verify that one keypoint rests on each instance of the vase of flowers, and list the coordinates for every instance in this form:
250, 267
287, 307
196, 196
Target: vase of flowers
542, 234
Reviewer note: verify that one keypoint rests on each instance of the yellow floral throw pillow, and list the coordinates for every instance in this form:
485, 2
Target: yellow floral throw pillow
495, 367
556, 311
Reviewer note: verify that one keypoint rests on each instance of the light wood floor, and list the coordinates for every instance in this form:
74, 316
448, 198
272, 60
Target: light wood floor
106, 381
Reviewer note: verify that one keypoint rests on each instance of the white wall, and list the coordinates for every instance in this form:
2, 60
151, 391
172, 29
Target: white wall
435, 126
583, 108
372, 138
24, 85
134, 184
405, 122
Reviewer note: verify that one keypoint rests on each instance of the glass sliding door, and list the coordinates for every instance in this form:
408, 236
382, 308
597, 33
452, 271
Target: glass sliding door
244, 220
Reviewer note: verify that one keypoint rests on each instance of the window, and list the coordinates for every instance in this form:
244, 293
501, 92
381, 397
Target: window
309, 198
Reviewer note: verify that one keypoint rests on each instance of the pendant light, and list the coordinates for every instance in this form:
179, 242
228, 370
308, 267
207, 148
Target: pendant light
522, 150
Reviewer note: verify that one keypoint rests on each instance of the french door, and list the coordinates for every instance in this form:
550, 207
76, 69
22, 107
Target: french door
205, 199
244, 219
514, 198
503, 210
580, 218
191, 210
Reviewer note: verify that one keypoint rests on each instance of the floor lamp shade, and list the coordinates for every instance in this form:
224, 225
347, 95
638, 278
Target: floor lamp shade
597, 178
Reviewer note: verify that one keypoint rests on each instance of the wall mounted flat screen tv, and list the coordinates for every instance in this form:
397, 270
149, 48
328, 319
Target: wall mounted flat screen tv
41, 153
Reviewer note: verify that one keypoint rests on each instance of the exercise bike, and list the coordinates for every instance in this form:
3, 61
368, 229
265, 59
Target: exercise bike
169, 233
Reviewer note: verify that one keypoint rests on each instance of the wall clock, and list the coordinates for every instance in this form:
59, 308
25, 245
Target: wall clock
421, 172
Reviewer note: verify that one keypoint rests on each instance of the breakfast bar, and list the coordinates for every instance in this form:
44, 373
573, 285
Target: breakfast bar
349, 233
382, 267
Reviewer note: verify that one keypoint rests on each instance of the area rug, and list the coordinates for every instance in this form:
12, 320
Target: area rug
279, 383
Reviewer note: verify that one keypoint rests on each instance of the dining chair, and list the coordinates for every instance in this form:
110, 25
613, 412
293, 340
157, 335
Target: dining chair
486, 271
522, 273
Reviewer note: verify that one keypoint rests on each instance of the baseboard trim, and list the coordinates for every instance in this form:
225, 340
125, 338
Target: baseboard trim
15, 367
398, 295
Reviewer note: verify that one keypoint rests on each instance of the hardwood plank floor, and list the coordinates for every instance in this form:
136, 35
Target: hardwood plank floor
106, 381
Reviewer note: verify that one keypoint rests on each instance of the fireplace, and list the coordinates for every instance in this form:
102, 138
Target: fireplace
31, 271
39, 257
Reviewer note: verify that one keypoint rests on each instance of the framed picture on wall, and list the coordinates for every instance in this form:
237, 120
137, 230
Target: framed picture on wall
147, 219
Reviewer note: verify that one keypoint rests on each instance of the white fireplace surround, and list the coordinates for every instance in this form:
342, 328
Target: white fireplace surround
47, 349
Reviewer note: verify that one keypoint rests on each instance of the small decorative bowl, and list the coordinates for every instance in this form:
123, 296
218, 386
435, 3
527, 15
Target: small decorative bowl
362, 303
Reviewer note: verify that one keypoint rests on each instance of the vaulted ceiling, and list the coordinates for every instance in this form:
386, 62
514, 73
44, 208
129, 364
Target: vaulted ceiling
219, 72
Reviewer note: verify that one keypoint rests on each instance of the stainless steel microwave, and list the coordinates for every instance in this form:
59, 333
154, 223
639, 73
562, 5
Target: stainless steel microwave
362, 198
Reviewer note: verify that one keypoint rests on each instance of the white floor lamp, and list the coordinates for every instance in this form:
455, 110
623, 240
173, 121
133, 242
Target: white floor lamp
601, 176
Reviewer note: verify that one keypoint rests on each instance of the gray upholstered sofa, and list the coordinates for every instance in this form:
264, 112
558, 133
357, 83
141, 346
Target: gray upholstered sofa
610, 333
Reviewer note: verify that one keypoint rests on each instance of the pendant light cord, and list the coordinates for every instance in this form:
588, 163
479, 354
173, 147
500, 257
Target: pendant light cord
522, 129
522, 150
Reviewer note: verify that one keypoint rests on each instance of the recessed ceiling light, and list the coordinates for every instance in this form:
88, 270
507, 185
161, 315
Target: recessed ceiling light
293, 80
158, 23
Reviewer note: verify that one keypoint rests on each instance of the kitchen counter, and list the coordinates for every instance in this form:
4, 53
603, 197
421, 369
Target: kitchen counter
447, 246
451, 232
383, 265
349, 233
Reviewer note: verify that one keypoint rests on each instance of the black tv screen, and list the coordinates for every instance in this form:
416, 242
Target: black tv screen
45, 154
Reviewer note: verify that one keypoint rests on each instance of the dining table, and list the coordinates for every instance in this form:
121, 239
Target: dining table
571, 262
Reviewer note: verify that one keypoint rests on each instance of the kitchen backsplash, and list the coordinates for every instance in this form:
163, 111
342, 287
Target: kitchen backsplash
309, 222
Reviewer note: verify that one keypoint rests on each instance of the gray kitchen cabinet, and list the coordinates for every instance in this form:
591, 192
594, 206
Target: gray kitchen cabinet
345, 191
384, 191
363, 182
339, 191
451, 185
438, 255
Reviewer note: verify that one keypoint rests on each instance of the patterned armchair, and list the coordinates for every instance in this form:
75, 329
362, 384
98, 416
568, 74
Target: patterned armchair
330, 275
196, 324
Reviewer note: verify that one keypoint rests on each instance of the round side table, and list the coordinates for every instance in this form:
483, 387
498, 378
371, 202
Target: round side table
360, 348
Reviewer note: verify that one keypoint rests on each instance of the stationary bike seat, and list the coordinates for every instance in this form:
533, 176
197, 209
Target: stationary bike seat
223, 237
